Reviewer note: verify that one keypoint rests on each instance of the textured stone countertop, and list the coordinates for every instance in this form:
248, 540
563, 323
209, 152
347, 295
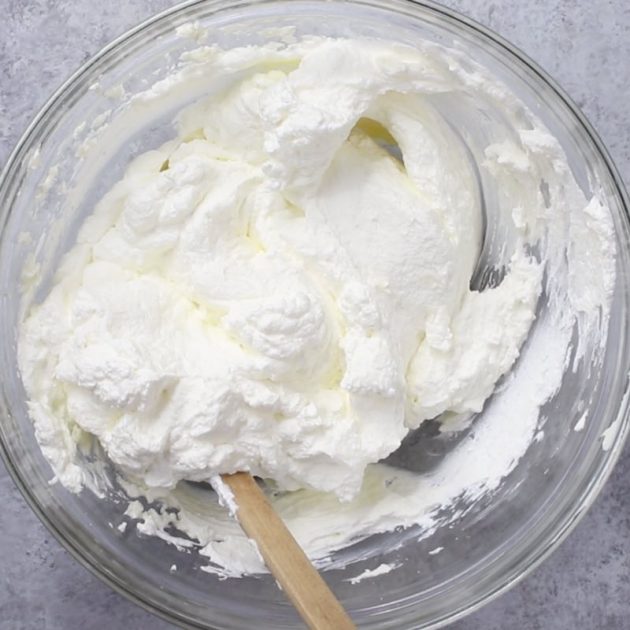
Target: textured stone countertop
585, 45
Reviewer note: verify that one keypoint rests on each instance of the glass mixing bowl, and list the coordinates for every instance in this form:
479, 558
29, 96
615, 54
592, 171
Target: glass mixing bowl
494, 542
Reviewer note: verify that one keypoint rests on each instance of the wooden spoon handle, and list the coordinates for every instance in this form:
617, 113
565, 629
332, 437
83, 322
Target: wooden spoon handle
286, 560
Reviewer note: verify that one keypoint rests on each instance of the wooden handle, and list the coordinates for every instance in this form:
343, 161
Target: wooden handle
286, 560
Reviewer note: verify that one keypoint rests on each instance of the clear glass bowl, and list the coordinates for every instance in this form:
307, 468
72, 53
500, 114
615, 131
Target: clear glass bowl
498, 540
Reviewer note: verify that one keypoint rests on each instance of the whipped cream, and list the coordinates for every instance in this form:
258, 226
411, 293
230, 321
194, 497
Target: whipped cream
290, 285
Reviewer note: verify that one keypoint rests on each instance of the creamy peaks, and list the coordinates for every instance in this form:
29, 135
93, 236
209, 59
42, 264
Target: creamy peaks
288, 286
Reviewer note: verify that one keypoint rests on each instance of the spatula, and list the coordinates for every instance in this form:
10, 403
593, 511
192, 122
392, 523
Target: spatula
286, 560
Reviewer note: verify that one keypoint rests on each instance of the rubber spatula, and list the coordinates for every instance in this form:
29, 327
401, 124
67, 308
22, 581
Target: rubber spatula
286, 560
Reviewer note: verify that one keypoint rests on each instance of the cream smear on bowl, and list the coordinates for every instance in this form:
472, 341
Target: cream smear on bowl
315, 265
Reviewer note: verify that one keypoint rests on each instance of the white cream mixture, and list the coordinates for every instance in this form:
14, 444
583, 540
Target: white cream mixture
285, 288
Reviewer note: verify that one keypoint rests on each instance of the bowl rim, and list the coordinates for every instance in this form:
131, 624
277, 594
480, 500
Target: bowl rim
564, 526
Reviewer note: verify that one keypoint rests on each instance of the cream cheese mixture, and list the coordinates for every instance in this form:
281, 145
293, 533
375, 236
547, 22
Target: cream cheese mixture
290, 286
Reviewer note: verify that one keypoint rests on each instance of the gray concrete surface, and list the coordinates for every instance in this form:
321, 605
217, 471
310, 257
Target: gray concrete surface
585, 44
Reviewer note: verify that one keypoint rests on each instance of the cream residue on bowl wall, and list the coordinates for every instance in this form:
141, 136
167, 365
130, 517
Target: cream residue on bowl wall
296, 281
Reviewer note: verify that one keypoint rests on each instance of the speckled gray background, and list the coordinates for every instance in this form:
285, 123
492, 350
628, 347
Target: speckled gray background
585, 45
